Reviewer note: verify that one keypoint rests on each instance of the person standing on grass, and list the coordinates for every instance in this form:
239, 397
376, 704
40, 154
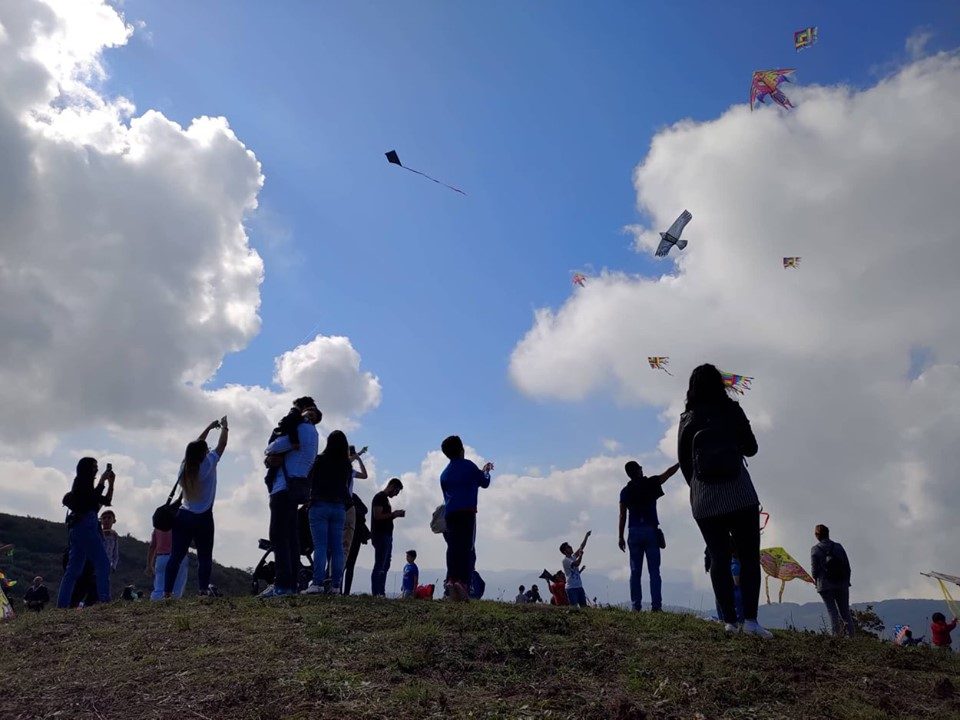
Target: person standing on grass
714, 438
111, 541
84, 501
193, 523
460, 482
350, 523
158, 555
330, 479
638, 499
411, 575
381, 533
361, 536
571, 569
294, 463
830, 568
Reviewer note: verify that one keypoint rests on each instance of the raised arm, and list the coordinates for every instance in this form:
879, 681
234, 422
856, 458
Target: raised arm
207, 429
669, 473
222, 440
361, 474
107, 478
484, 479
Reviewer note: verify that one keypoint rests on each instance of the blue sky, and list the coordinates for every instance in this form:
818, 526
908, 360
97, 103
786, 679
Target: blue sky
540, 111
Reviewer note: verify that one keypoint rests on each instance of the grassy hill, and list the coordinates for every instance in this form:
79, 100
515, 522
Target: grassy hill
39, 551
362, 657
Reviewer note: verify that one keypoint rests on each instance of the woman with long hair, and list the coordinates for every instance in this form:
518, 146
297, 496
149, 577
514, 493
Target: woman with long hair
330, 481
714, 438
194, 520
84, 501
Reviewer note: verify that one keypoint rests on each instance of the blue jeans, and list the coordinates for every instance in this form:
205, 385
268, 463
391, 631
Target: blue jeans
326, 528
159, 575
642, 541
190, 527
382, 550
838, 607
85, 543
577, 597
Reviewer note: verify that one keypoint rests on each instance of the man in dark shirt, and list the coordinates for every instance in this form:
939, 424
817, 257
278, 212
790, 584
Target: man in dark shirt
36, 595
639, 499
381, 534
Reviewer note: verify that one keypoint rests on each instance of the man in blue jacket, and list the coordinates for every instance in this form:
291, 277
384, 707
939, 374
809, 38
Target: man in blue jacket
461, 482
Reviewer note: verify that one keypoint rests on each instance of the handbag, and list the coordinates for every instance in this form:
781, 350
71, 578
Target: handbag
661, 539
164, 515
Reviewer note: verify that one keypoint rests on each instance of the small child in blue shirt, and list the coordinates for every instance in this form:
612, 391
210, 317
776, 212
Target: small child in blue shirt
411, 575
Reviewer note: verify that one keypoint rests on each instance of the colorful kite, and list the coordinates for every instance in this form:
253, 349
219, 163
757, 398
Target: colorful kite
659, 363
672, 236
900, 633
805, 38
778, 563
736, 383
394, 159
767, 83
791, 262
6, 608
579, 279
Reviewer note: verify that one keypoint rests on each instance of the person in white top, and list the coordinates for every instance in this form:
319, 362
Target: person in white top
572, 569
194, 520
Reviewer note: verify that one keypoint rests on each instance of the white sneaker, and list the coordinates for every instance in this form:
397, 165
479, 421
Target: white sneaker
313, 590
752, 627
730, 629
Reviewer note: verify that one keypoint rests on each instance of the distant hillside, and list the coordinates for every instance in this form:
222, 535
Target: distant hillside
39, 551
813, 616
370, 658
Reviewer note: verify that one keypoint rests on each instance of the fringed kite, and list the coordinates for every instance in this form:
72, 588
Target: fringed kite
394, 159
943, 579
778, 563
766, 83
736, 383
791, 262
672, 236
659, 363
579, 279
805, 38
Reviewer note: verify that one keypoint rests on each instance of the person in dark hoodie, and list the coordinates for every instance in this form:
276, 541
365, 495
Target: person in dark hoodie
714, 438
84, 501
830, 568
639, 499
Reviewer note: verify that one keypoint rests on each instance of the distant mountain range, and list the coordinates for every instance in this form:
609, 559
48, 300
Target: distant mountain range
813, 616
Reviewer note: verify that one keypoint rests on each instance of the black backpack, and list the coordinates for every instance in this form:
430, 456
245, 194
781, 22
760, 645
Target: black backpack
716, 455
163, 516
835, 567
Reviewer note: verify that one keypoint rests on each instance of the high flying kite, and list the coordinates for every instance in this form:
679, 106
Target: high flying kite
394, 159
658, 362
672, 236
579, 279
791, 262
805, 38
767, 83
736, 383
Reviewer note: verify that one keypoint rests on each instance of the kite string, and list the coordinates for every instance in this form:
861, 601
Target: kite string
951, 603
438, 182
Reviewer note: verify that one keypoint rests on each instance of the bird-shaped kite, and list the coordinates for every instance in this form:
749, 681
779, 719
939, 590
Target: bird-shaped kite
805, 38
394, 159
736, 383
659, 363
579, 279
767, 83
672, 236
791, 262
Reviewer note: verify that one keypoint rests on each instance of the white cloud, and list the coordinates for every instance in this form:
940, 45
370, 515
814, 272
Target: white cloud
916, 44
862, 185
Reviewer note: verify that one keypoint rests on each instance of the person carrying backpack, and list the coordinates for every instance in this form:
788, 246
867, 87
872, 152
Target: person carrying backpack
714, 438
830, 568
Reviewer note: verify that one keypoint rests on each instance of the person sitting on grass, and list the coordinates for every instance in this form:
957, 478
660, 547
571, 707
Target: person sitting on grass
533, 595
521, 598
940, 630
571, 568
411, 575
37, 595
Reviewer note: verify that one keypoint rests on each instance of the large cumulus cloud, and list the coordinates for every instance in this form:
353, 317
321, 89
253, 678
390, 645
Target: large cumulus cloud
855, 354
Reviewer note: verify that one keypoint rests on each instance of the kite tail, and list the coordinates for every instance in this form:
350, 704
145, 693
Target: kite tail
438, 182
951, 603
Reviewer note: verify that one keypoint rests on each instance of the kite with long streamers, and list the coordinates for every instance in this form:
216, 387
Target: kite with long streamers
394, 159
778, 563
658, 362
736, 383
805, 38
579, 279
672, 236
791, 262
766, 83
943, 579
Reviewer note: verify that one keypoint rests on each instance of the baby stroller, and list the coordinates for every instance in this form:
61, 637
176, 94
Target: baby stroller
265, 572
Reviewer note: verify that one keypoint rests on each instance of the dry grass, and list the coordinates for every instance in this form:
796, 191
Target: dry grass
366, 658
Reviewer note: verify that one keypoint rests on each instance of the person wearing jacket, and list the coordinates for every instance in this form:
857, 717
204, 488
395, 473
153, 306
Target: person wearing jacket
940, 631
460, 482
714, 437
830, 568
